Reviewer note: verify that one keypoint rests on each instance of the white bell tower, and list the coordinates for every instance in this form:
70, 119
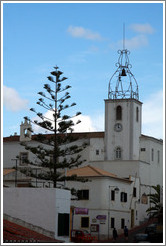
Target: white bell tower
123, 113
25, 131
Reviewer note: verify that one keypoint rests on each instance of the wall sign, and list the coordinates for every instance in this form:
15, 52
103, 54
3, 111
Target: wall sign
101, 217
81, 210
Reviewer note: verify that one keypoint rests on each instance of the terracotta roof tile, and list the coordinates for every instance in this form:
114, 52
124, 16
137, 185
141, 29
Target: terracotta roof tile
7, 171
76, 134
89, 171
14, 233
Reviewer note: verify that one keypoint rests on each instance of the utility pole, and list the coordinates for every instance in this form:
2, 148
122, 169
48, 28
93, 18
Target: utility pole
16, 159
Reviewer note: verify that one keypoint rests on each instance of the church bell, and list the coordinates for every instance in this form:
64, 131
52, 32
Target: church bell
123, 72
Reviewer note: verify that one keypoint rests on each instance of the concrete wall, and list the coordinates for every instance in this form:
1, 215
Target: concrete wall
39, 207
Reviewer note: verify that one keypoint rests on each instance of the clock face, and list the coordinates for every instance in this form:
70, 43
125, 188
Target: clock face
118, 127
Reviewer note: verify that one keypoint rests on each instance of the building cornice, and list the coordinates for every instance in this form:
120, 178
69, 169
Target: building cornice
123, 100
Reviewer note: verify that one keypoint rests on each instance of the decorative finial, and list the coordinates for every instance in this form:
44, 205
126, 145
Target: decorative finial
123, 35
123, 83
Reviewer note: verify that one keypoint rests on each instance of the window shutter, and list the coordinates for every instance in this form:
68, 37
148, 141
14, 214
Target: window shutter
125, 197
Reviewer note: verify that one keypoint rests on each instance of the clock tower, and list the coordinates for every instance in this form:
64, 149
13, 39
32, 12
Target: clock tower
123, 113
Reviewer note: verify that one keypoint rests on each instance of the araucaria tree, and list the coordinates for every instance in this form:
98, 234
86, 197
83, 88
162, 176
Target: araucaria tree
57, 151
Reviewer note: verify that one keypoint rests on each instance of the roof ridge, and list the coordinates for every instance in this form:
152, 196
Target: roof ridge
94, 169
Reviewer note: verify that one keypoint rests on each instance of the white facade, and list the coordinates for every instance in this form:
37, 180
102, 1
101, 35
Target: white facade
127, 138
114, 212
37, 207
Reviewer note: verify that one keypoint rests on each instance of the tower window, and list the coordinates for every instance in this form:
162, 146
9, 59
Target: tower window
137, 114
152, 154
119, 113
158, 156
118, 153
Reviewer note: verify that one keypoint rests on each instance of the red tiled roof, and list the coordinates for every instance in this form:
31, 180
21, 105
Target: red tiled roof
13, 233
7, 171
90, 171
11, 139
76, 134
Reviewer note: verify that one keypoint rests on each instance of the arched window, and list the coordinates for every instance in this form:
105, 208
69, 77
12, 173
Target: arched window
119, 113
137, 114
118, 153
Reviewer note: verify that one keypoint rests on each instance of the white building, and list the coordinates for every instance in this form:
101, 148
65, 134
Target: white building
133, 162
46, 211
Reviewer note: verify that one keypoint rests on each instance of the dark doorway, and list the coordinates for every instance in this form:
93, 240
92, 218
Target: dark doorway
63, 224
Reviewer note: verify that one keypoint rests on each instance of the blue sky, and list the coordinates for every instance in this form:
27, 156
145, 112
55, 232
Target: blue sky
83, 40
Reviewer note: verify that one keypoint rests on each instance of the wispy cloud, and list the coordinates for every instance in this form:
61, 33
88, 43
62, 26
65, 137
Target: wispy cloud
81, 57
142, 28
136, 42
81, 32
133, 43
152, 116
12, 100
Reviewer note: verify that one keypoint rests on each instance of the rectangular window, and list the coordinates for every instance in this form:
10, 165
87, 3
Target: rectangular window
123, 197
122, 223
112, 195
83, 194
158, 156
143, 149
152, 154
112, 222
134, 192
23, 158
97, 151
118, 153
137, 114
85, 222
63, 224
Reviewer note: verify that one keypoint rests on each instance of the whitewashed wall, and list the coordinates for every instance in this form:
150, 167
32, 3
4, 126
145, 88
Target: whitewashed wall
39, 207
99, 203
96, 144
128, 138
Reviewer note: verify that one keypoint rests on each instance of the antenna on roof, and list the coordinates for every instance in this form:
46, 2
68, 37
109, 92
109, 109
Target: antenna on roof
123, 36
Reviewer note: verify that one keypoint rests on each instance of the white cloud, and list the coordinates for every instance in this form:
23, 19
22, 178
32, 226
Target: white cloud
12, 100
152, 118
88, 123
130, 44
152, 115
136, 42
80, 32
142, 28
